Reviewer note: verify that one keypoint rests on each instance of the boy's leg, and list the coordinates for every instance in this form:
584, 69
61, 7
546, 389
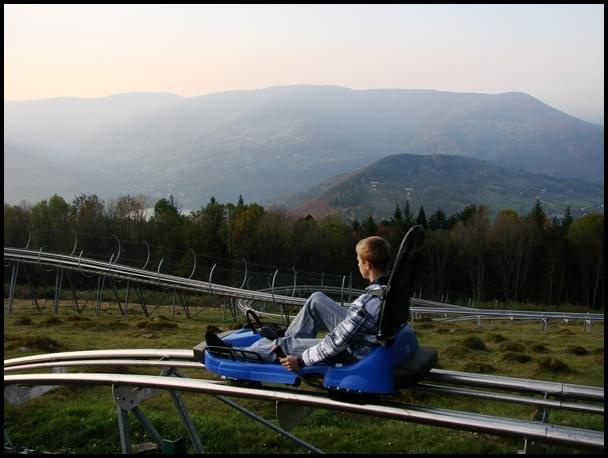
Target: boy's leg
290, 345
319, 312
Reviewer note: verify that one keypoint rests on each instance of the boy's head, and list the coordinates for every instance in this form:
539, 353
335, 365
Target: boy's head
374, 250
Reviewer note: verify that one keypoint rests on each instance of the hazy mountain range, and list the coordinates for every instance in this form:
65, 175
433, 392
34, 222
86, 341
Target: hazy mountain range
270, 144
447, 182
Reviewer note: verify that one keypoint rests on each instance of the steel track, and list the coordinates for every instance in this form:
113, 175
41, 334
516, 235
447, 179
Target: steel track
247, 297
442, 383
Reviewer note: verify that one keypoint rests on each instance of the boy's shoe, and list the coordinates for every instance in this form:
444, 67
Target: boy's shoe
214, 341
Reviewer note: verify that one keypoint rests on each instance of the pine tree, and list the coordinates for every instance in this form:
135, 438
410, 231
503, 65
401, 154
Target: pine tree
408, 217
369, 226
437, 220
421, 218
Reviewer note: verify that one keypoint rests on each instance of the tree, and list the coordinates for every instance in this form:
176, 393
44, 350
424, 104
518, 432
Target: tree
397, 216
273, 239
538, 216
243, 226
537, 251
510, 236
51, 221
341, 244
586, 235
309, 245
439, 249
408, 217
369, 226
17, 224
437, 220
166, 233
207, 233
127, 215
421, 218
88, 213
471, 237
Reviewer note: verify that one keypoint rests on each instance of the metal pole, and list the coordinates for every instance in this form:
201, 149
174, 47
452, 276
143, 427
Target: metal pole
123, 429
268, 424
12, 287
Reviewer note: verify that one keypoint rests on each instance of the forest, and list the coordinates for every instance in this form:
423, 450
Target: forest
467, 256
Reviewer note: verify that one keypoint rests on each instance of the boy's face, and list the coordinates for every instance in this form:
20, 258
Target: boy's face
364, 267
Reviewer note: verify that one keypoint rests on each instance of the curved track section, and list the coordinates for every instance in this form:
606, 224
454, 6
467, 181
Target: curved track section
279, 295
442, 382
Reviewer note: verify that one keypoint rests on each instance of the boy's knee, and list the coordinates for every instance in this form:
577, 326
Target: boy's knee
317, 296
316, 300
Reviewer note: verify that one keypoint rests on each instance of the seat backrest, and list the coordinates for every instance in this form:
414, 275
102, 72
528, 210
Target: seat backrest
396, 304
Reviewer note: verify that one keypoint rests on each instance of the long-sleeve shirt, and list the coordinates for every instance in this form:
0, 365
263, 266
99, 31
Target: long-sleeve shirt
356, 333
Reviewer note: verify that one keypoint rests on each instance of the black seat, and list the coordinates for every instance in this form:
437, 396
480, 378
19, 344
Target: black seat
396, 305
396, 308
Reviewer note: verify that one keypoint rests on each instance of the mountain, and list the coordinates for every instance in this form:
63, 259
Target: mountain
41, 173
68, 124
447, 182
271, 143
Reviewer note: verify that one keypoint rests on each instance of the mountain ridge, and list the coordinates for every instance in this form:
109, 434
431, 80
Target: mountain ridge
445, 182
271, 143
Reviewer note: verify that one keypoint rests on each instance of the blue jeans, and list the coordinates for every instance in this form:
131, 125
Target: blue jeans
318, 313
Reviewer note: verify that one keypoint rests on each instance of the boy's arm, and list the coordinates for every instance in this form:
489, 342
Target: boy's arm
341, 336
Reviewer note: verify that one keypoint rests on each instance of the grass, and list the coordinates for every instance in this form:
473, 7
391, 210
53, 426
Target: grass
83, 418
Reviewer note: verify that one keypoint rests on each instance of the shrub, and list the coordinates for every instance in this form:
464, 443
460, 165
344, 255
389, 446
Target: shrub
23, 321
473, 343
576, 350
538, 348
516, 357
496, 338
552, 364
511, 346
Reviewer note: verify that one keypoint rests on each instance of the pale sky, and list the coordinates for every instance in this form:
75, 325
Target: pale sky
552, 52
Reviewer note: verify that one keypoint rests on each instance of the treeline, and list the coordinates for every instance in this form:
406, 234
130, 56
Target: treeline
523, 258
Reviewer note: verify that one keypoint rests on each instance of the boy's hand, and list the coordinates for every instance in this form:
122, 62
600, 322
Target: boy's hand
290, 363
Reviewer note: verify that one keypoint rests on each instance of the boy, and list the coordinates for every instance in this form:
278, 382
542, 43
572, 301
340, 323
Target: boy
353, 331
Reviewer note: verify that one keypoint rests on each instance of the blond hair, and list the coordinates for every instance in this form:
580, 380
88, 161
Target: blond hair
375, 250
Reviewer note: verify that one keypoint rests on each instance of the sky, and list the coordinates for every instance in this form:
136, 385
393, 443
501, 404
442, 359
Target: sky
552, 52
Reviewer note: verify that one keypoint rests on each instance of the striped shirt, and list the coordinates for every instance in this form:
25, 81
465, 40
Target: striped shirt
356, 333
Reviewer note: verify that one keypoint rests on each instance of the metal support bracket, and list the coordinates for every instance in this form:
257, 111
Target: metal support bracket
128, 400
531, 446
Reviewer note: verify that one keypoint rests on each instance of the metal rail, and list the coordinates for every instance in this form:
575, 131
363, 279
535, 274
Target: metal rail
184, 359
434, 388
531, 430
271, 295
